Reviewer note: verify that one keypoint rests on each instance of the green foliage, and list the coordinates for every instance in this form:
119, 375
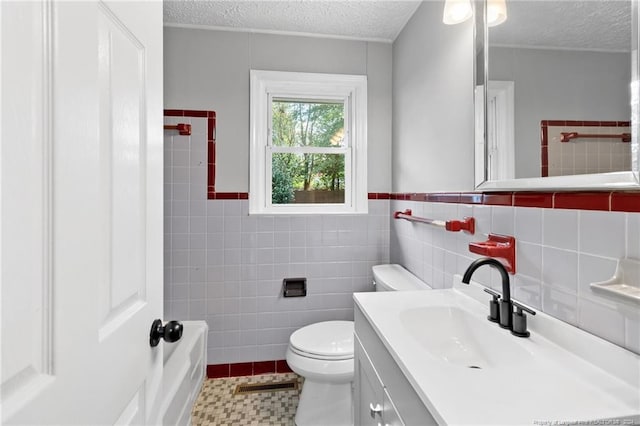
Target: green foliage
306, 124
331, 171
281, 183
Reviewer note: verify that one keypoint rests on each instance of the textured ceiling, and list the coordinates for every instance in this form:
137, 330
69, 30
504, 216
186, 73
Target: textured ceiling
591, 24
584, 24
370, 19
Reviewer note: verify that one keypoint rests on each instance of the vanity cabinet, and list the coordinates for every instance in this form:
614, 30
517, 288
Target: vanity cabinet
372, 401
382, 394
420, 347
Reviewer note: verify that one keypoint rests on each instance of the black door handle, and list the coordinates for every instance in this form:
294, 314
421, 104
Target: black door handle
171, 332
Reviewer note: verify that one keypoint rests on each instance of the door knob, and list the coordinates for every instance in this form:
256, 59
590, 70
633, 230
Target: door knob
171, 332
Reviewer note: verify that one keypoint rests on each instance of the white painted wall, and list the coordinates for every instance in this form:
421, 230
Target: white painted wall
433, 104
560, 85
209, 70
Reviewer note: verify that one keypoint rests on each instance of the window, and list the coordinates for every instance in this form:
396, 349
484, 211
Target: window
308, 143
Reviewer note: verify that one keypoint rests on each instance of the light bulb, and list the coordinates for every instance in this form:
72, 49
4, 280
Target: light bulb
456, 11
496, 12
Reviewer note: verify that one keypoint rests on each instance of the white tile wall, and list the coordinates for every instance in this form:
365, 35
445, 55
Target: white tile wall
559, 253
227, 267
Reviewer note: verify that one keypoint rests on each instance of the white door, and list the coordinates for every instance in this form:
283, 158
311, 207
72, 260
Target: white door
498, 162
500, 130
81, 211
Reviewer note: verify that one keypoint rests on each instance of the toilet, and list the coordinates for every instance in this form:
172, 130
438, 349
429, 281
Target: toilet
322, 353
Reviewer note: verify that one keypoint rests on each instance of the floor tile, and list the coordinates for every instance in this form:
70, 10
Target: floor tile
217, 406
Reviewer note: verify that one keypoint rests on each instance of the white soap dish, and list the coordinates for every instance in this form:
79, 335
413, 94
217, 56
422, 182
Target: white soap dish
625, 283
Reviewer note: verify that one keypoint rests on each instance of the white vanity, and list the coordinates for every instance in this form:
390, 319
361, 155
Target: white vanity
431, 357
377, 377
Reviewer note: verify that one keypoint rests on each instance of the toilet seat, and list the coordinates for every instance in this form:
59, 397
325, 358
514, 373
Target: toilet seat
329, 340
318, 356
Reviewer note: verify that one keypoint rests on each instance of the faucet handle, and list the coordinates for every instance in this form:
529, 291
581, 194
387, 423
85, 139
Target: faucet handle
494, 306
520, 320
520, 307
495, 294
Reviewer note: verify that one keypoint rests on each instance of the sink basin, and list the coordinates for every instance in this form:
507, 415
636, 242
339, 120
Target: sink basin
461, 338
454, 357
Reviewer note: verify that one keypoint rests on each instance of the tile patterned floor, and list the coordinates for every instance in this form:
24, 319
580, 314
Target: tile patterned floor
217, 406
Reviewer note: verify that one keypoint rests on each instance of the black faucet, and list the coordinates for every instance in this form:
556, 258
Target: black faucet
506, 306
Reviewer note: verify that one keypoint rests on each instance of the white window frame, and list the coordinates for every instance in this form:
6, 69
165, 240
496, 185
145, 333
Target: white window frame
348, 89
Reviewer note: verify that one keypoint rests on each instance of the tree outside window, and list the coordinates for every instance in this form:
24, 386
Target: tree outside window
307, 177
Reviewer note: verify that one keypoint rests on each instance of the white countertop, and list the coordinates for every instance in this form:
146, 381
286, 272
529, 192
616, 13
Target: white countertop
567, 375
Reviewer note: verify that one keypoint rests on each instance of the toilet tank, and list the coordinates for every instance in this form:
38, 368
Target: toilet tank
395, 278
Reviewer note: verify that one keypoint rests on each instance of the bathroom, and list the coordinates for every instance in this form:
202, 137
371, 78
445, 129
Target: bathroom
225, 266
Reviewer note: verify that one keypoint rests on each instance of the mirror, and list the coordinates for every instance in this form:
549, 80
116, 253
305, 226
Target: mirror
557, 96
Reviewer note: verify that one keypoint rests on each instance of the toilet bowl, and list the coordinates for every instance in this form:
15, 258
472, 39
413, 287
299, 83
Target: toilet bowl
322, 353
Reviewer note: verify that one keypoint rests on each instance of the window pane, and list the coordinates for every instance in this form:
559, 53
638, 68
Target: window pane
307, 178
298, 123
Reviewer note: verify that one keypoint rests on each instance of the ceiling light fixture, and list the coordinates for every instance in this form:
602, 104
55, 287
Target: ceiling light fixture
457, 11
496, 12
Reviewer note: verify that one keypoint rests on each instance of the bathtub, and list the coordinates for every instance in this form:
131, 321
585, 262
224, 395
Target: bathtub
183, 373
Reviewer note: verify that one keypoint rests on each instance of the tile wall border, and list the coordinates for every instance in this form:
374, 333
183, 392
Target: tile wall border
211, 148
619, 201
216, 371
614, 201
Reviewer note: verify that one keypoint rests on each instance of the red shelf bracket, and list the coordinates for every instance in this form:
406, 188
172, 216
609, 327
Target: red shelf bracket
467, 225
182, 128
399, 214
502, 247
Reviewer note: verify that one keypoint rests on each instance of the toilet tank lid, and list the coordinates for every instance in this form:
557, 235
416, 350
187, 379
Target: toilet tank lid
395, 277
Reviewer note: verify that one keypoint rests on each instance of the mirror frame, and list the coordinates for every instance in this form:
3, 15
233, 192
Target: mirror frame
597, 181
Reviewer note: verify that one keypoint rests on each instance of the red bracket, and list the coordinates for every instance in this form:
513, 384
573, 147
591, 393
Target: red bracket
182, 128
468, 225
499, 246
396, 215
